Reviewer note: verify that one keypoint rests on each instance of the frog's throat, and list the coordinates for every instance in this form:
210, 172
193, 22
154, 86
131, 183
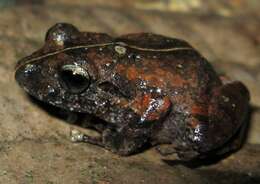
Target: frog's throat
101, 45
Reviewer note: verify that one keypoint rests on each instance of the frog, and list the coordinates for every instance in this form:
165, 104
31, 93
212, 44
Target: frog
141, 90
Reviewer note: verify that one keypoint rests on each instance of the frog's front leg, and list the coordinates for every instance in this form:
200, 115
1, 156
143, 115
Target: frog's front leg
88, 121
152, 108
216, 126
78, 136
129, 137
126, 138
123, 142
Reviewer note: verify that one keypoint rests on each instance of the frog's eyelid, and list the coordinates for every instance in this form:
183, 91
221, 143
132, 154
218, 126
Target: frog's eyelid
103, 45
76, 70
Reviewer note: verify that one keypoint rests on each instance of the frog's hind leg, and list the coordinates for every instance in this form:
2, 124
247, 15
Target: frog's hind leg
227, 110
235, 142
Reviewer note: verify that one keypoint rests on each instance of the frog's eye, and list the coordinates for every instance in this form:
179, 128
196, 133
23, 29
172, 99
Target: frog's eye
74, 78
61, 34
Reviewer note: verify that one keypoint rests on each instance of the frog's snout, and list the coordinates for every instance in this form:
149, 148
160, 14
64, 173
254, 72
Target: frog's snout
28, 76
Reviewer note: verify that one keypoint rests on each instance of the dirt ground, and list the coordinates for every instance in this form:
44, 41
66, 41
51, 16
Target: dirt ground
35, 146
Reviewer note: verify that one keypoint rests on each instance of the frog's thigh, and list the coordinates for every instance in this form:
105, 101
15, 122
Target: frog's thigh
227, 110
236, 142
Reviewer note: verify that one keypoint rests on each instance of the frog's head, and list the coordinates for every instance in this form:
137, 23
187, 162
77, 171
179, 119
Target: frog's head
70, 78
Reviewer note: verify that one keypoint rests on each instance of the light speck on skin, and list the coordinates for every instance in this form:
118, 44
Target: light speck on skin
102, 103
138, 57
40, 97
58, 102
179, 66
186, 112
197, 132
118, 101
52, 103
26, 89
50, 89
225, 98
143, 84
158, 90
130, 116
120, 50
59, 38
29, 69
75, 63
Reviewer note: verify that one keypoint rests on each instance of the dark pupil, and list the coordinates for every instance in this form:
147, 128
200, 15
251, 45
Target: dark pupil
74, 83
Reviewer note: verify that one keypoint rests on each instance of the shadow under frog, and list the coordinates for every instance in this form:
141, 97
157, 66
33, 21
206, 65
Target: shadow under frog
143, 89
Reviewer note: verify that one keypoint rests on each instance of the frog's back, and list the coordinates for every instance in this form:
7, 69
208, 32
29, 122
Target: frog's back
152, 41
168, 64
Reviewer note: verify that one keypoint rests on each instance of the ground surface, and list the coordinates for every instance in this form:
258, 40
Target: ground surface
35, 146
